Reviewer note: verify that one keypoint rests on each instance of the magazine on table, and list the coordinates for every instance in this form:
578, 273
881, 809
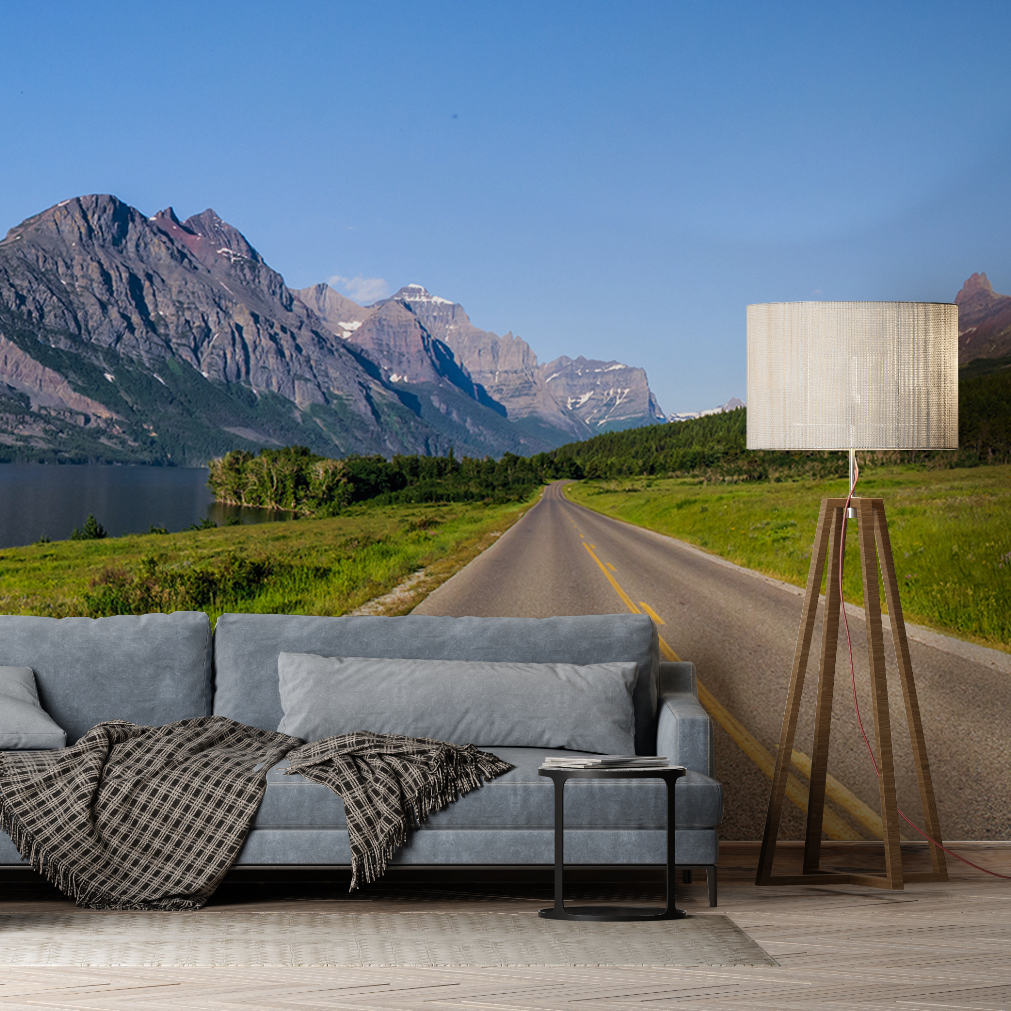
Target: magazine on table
607, 762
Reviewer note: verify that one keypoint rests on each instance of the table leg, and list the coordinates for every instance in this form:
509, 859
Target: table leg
560, 847
609, 913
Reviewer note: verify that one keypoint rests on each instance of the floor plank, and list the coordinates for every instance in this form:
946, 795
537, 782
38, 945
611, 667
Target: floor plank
929, 947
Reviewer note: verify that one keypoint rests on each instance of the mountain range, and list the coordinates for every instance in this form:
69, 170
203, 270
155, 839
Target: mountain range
128, 338
577, 397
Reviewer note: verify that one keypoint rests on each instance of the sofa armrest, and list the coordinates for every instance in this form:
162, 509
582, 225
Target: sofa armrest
684, 730
678, 677
699, 802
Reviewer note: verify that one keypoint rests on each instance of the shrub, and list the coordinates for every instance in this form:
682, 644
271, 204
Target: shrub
155, 586
91, 530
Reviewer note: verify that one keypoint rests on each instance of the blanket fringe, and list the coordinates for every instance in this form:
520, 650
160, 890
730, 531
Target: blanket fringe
41, 860
56, 872
81, 884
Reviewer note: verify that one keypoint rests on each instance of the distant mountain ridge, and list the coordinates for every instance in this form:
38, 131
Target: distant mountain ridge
984, 321
506, 367
608, 396
131, 338
587, 396
731, 405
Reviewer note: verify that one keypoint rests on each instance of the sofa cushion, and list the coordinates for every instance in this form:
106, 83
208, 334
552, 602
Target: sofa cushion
247, 646
150, 669
286, 847
535, 705
519, 799
24, 724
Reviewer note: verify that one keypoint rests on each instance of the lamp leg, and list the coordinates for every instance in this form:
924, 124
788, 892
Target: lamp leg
931, 821
782, 770
826, 685
879, 689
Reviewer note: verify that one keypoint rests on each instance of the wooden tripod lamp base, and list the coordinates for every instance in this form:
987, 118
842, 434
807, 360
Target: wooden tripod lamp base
875, 550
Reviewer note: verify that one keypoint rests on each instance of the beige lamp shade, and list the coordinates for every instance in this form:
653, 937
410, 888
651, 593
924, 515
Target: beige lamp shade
853, 375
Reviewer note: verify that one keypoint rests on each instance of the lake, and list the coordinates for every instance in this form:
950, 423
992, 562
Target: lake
49, 500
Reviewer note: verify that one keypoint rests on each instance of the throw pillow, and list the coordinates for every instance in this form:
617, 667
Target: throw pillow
521, 705
24, 724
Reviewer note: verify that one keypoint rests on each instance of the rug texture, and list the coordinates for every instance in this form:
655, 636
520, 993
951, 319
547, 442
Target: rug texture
365, 939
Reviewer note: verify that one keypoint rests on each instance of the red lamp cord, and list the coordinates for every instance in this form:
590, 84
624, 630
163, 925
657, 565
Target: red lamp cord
853, 683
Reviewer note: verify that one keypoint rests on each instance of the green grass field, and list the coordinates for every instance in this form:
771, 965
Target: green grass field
327, 566
950, 532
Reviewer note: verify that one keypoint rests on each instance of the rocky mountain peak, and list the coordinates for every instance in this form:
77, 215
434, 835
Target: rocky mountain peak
98, 218
606, 396
166, 217
207, 237
977, 284
984, 321
226, 239
503, 368
420, 294
394, 338
342, 316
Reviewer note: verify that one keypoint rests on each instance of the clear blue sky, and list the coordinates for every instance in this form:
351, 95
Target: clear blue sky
610, 179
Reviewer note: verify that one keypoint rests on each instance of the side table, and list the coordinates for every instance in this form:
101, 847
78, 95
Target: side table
670, 775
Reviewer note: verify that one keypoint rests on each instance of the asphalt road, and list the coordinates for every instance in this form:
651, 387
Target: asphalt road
740, 629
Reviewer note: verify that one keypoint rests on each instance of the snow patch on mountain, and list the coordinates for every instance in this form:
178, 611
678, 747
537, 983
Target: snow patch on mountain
418, 293
576, 402
731, 405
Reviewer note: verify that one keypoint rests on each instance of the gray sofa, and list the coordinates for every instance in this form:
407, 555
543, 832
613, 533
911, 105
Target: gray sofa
153, 669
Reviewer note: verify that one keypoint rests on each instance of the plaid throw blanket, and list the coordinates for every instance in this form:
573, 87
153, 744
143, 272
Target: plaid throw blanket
388, 783
135, 817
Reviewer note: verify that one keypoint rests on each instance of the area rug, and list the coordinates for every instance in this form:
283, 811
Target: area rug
365, 939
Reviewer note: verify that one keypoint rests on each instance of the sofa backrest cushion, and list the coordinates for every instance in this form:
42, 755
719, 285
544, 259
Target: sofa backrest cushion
495, 703
247, 646
149, 669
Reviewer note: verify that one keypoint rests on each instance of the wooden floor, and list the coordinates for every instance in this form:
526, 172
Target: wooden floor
931, 947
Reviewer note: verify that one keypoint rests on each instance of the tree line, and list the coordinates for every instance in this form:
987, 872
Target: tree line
299, 480
712, 448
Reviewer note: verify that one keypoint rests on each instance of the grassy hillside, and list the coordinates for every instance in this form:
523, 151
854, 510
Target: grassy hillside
950, 531
327, 566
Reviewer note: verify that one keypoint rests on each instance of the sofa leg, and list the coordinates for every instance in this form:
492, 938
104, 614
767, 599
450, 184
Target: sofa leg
686, 877
711, 881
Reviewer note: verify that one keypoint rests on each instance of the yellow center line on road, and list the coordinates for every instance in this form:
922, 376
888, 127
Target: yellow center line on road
649, 610
625, 598
834, 826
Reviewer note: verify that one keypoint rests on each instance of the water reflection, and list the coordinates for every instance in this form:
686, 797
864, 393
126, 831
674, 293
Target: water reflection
229, 515
40, 500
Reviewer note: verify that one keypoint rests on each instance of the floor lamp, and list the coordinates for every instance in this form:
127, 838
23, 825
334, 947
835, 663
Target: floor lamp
852, 376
